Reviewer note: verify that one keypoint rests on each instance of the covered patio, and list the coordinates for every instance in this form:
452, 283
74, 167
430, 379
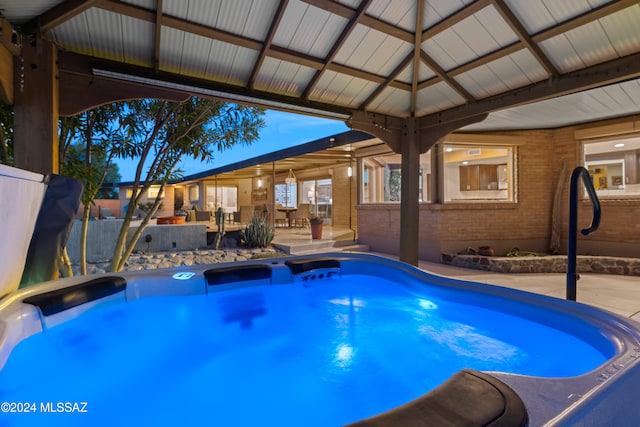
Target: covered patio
408, 73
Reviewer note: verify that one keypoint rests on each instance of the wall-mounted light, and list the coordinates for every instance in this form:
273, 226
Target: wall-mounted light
349, 171
259, 182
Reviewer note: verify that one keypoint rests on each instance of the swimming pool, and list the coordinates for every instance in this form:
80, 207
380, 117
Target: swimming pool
303, 341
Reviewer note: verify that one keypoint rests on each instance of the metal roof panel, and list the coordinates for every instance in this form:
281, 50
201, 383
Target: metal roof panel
180, 8
195, 54
596, 49
360, 48
538, 15
560, 51
391, 99
424, 73
599, 41
93, 32
507, 73
436, 10
21, 11
477, 35
139, 47
106, 34
171, 45
340, 89
72, 35
314, 32
448, 49
622, 30
283, 77
565, 9
575, 108
351, 3
234, 63
401, 13
481, 82
437, 97
147, 4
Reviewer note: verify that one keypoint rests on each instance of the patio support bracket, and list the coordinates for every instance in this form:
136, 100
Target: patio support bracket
410, 138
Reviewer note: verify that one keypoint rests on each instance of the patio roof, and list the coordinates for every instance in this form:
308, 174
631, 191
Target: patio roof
432, 59
332, 151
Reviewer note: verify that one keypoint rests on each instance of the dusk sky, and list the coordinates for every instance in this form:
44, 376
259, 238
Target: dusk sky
282, 130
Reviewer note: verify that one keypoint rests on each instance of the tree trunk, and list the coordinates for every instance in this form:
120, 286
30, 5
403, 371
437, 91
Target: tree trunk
123, 249
65, 264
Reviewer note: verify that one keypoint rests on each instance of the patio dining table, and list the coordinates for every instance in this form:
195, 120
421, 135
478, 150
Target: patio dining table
288, 212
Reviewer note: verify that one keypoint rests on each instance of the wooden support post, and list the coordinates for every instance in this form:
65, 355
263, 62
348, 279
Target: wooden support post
409, 204
36, 110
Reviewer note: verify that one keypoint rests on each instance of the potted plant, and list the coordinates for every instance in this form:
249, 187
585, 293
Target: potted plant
316, 226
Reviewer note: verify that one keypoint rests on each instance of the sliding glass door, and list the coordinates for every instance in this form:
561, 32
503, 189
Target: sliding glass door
318, 193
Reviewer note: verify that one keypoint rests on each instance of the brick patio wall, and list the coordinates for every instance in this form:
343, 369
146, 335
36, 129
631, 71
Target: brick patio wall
450, 228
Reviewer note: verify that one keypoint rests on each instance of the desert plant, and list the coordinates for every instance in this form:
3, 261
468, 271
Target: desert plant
221, 232
316, 219
259, 233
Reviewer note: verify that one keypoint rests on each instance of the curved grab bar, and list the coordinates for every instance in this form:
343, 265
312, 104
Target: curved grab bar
572, 276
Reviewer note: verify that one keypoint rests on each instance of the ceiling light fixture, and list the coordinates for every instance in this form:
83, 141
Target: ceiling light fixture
218, 94
619, 145
291, 178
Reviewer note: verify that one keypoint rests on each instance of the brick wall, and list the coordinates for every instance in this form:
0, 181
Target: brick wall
619, 232
526, 224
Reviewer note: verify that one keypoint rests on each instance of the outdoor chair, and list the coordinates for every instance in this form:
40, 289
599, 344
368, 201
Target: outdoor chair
246, 212
203, 216
280, 217
300, 217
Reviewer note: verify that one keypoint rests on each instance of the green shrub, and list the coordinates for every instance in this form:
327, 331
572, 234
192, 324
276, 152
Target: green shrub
259, 233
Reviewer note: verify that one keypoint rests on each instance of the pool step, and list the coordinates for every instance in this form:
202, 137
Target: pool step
318, 246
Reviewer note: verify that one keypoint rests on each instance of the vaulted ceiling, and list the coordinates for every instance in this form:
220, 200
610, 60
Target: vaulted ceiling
438, 60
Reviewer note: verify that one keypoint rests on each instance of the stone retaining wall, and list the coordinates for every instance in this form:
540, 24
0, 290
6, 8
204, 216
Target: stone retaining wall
545, 264
102, 236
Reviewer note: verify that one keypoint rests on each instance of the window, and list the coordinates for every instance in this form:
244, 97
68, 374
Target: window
382, 177
222, 197
286, 195
153, 191
194, 193
614, 166
478, 173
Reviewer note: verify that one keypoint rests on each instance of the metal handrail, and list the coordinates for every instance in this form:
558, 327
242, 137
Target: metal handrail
572, 276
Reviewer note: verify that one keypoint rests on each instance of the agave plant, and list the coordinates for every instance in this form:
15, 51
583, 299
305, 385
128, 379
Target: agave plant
259, 233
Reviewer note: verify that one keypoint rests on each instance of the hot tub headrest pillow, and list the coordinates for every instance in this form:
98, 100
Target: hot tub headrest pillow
468, 399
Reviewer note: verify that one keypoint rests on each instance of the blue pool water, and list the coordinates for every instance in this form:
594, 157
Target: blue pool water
322, 355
